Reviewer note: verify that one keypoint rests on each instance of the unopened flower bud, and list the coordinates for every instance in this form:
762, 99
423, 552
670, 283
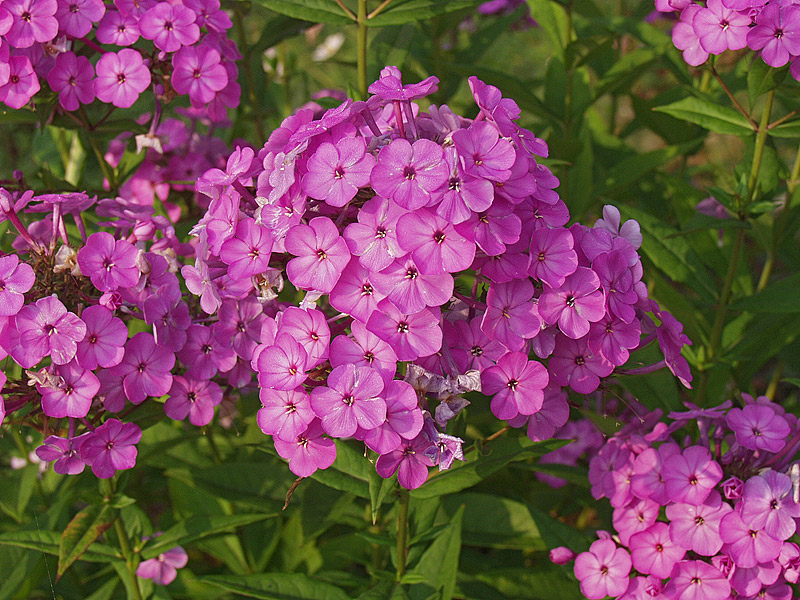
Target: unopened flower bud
561, 555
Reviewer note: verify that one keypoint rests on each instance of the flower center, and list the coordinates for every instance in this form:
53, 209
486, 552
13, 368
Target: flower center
402, 327
411, 273
438, 237
348, 400
512, 384
571, 301
366, 290
121, 78
338, 172
476, 351
409, 173
321, 254
380, 233
580, 361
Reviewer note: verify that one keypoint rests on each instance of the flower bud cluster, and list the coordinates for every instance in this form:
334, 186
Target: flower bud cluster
770, 28
85, 50
379, 213
708, 517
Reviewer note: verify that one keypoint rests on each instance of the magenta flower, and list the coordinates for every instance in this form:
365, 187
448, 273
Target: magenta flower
249, 251
15, 279
691, 476
198, 72
403, 419
409, 290
575, 304
409, 335
697, 580
575, 365
354, 293
284, 413
483, 153
76, 17
121, 77
685, 38
552, 256
73, 395
145, 368
170, 26
350, 400
510, 316
390, 86
105, 339
470, 347
720, 28
696, 527
111, 448
493, 228
767, 504
647, 481
321, 255
309, 328
364, 349
603, 570
776, 33
308, 451
118, 29
336, 172
374, 238
410, 175
65, 453
282, 366
613, 338
22, 82
552, 416
409, 461
169, 316
758, 427
46, 328
515, 385
34, 21
195, 398
163, 569
204, 353
434, 243
73, 78
110, 263
653, 552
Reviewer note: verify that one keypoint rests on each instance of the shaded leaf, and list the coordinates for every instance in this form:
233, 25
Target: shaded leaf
316, 11
495, 522
82, 531
400, 12
276, 586
48, 542
777, 297
761, 78
716, 118
350, 472
438, 565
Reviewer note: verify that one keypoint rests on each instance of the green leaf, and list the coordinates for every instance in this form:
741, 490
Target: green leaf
552, 18
671, 253
82, 531
555, 533
630, 170
19, 566
793, 380
625, 71
400, 12
379, 488
49, 542
716, 118
350, 472
777, 297
199, 526
761, 78
391, 46
789, 129
316, 11
438, 565
542, 582
500, 452
276, 586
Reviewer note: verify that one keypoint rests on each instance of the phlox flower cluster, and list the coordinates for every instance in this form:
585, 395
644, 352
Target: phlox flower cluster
771, 28
432, 259
704, 516
85, 50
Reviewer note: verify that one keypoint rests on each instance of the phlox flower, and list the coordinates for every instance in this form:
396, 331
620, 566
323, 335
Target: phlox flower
767, 503
47, 328
249, 251
321, 255
121, 77
351, 399
354, 293
163, 568
515, 385
110, 263
776, 34
747, 544
76, 17
409, 461
603, 570
336, 172
691, 476
720, 28
410, 175
65, 452
145, 368
403, 419
647, 481
209, 15
390, 86
73, 395
284, 413
22, 82
696, 580
195, 398
111, 448
553, 414
73, 78
493, 228
197, 72
373, 239
282, 366
410, 335
364, 349
405, 286
483, 152
633, 518
117, 28
104, 341
653, 552
34, 21
204, 353
686, 39
552, 256
15, 279
575, 304
464, 194
434, 243
470, 347
309, 328
308, 451
170, 26
169, 316
574, 364
696, 527
510, 316
758, 427
613, 338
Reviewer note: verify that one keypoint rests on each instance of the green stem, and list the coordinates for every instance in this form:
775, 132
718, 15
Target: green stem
758, 152
124, 545
402, 534
361, 38
780, 224
725, 295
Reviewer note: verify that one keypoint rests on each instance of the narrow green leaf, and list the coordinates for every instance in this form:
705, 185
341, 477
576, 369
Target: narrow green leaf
778, 297
276, 586
48, 542
199, 526
552, 18
789, 130
351, 472
793, 380
555, 533
625, 71
540, 582
316, 11
761, 78
379, 488
716, 118
82, 531
463, 475
438, 565
400, 12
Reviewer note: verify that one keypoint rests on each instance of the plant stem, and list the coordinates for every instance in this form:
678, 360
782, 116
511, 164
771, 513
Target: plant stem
722, 304
361, 38
758, 152
124, 544
733, 99
402, 533
377, 11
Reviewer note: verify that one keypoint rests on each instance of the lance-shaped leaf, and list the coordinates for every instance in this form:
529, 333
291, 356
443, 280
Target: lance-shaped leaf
716, 118
81, 533
276, 586
316, 11
399, 12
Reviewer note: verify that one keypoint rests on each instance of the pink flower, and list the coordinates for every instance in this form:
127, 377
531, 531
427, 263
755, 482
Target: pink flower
720, 28
409, 289
73, 78
364, 349
163, 568
696, 527
351, 399
46, 328
374, 238
74, 394
145, 368
354, 293
76, 17
117, 29
409, 461
195, 398
686, 39
483, 153
22, 83
197, 72
309, 328
697, 580
410, 175
15, 279
767, 503
603, 570
34, 21
410, 335
321, 255
515, 385
248, 252
510, 316
653, 552
434, 243
336, 172
308, 451
110, 263
170, 26
691, 476
284, 413
65, 453
204, 353
111, 448
758, 427
282, 366
403, 419
552, 256
776, 34
104, 341
121, 77
575, 304
390, 86
575, 365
